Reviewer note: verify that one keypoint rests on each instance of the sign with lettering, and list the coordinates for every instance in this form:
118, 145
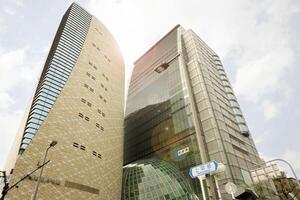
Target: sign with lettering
203, 169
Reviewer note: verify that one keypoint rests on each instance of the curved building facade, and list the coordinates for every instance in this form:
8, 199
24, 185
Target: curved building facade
79, 103
152, 179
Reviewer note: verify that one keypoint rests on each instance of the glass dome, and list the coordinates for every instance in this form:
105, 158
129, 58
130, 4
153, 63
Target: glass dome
152, 179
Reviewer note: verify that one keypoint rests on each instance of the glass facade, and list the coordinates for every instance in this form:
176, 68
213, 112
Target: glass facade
62, 57
181, 108
152, 179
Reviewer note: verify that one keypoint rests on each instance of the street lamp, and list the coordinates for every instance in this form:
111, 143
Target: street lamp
52, 144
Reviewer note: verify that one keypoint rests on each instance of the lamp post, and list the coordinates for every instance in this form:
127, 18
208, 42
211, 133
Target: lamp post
52, 144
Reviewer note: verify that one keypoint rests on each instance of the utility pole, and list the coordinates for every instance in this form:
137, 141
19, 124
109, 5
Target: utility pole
6, 187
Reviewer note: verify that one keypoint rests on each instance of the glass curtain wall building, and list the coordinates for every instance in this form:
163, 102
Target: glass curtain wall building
78, 102
181, 108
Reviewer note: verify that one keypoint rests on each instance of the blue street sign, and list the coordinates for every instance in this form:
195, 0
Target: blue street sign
203, 169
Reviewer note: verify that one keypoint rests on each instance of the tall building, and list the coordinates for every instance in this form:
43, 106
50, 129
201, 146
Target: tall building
181, 108
79, 103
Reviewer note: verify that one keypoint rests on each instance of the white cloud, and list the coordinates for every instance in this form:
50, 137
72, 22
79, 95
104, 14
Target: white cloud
5, 101
10, 72
16, 67
261, 138
9, 10
263, 76
271, 109
292, 156
9, 129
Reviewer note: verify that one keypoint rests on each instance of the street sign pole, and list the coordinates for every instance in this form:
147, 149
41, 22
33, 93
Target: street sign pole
202, 186
218, 188
211, 168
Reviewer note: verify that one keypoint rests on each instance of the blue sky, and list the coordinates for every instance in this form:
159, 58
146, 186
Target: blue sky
257, 40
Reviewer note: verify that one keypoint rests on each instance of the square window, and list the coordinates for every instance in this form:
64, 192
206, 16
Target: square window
87, 118
80, 115
97, 125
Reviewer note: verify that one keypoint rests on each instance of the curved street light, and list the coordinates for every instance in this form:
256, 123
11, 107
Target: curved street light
52, 144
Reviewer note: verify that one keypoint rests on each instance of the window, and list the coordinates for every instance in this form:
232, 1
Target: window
102, 128
100, 96
104, 100
75, 145
91, 89
103, 114
80, 115
99, 111
93, 77
97, 125
87, 118
82, 147
89, 104
95, 67
88, 74
99, 155
83, 100
94, 153
86, 86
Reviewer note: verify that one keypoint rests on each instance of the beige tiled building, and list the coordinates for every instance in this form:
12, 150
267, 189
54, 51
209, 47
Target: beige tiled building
79, 103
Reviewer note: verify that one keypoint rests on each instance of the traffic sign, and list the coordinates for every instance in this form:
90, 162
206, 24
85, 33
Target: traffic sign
231, 188
203, 169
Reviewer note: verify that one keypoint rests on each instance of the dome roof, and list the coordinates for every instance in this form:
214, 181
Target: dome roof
154, 179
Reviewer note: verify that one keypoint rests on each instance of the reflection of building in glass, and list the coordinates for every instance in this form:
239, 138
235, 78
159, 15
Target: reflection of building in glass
79, 103
154, 179
181, 108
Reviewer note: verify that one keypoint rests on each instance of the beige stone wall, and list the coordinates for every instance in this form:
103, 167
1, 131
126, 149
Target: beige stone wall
74, 173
